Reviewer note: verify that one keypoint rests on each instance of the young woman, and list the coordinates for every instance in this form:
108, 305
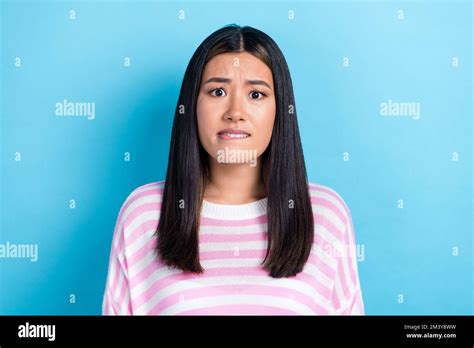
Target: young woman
235, 228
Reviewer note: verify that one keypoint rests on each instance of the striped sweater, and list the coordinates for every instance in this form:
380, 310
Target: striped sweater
232, 245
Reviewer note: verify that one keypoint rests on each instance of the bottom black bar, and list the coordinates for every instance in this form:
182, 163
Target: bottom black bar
293, 331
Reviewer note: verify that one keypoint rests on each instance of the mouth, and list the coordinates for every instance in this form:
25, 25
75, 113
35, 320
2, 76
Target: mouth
233, 134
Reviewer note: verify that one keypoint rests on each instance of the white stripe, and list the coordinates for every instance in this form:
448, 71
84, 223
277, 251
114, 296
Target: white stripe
142, 188
272, 301
206, 264
328, 237
153, 198
116, 264
229, 246
355, 310
137, 267
330, 215
124, 304
330, 198
225, 230
104, 303
118, 287
345, 304
143, 218
149, 282
146, 235
217, 280
145, 238
330, 261
345, 266
317, 274
112, 269
234, 262
339, 293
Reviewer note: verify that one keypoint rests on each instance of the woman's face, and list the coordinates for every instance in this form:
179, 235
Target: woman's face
236, 108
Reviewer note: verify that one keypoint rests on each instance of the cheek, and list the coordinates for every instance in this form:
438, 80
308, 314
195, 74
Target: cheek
206, 120
202, 116
266, 124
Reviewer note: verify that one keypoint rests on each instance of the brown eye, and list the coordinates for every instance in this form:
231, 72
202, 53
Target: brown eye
219, 92
256, 94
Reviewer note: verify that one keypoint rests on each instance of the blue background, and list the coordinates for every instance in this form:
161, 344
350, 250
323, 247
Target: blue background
408, 250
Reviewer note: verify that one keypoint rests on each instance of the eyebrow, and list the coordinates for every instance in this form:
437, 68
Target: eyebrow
247, 82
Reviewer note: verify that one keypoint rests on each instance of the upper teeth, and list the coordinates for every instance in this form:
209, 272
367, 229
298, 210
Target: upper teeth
231, 135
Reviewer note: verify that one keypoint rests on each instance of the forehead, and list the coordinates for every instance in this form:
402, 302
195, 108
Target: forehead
243, 63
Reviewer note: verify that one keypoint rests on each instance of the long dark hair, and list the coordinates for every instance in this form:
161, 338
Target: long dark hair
289, 213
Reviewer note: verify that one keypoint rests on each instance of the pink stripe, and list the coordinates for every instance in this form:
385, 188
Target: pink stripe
239, 223
350, 240
232, 237
173, 278
135, 212
197, 293
116, 266
328, 225
213, 255
354, 302
151, 223
116, 248
329, 205
205, 238
330, 251
143, 208
352, 261
159, 183
148, 192
315, 283
347, 219
238, 310
335, 300
140, 231
223, 271
229, 254
144, 249
123, 292
134, 196
154, 265
342, 278
327, 270
360, 302
324, 189
111, 303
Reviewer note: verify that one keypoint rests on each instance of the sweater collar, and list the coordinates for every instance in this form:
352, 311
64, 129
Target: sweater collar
234, 211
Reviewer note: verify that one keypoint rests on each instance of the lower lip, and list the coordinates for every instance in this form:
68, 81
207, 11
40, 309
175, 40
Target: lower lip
226, 137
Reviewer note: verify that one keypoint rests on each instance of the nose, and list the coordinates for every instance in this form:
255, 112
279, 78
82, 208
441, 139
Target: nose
236, 111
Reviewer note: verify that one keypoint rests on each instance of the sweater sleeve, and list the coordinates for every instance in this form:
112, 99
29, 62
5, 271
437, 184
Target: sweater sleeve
116, 298
347, 295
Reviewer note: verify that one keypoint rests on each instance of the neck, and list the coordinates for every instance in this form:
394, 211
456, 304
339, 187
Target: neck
236, 183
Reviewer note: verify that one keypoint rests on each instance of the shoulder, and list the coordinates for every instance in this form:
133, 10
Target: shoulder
145, 190
330, 208
142, 199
